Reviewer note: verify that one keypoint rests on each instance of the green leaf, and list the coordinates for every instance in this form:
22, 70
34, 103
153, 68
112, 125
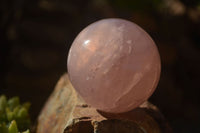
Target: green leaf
16, 110
13, 127
13, 102
22, 113
3, 103
3, 128
10, 115
27, 131
23, 124
3, 117
27, 105
13, 116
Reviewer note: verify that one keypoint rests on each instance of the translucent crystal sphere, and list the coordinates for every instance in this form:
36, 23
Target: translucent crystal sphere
114, 65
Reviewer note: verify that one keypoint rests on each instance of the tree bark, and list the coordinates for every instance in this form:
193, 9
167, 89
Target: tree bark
66, 112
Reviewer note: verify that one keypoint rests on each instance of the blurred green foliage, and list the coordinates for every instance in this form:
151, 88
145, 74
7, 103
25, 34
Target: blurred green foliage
14, 117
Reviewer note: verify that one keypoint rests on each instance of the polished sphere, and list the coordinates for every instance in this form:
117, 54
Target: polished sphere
114, 65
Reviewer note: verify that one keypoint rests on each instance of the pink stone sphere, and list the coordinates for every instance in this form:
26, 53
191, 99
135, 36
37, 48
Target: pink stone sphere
114, 65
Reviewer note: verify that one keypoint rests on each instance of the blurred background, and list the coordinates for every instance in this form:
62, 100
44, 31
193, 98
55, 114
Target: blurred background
35, 36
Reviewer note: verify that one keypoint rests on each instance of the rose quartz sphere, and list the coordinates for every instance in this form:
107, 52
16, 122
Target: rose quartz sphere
114, 65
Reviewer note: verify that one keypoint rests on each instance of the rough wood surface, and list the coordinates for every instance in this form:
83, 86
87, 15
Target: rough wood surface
66, 112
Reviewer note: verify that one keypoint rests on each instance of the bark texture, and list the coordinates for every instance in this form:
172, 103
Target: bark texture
66, 112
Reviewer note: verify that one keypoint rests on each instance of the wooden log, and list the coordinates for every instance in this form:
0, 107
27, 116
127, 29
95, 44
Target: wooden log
66, 112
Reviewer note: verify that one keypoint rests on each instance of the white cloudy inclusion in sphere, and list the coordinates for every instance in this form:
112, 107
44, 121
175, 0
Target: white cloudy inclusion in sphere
114, 65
